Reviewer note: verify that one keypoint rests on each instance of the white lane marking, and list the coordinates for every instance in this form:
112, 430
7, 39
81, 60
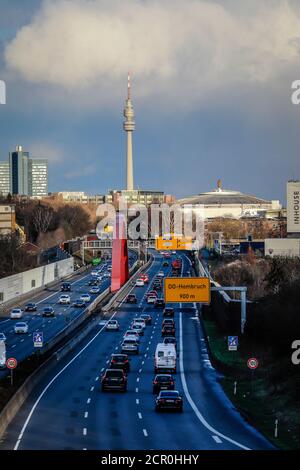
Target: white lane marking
116, 348
57, 375
189, 398
22, 340
137, 401
92, 389
88, 401
143, 362
145, 433
147, 349
13, 346
145, 355
138, 379
97, 378
136, 390
217, 439
84, 431
102, 369
86, 414
140, 415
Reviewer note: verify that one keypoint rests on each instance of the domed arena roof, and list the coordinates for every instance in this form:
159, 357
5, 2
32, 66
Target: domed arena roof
221, 196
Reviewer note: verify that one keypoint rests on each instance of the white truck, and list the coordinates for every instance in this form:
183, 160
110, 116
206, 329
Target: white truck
165, 358
2, 355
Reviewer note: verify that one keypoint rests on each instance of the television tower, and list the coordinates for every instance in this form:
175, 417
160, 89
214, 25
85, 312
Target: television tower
129, 127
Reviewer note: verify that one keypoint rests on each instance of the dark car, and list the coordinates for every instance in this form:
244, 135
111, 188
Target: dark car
165, 263
114, 379
31, 307
168, 330
131, 299
169, 400
159, 303
79, 303
168, 312
163, 382
120, 361
147, 318
168, 321
170, 340
93, 282
65, 287
48, 312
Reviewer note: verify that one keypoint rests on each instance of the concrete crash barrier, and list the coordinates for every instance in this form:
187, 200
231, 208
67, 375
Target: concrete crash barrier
122, 293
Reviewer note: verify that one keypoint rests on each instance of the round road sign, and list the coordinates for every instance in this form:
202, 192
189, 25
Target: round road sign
252, 363
11, 363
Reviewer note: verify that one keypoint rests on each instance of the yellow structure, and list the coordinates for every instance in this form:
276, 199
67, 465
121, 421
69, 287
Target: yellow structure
173, 243
187, 289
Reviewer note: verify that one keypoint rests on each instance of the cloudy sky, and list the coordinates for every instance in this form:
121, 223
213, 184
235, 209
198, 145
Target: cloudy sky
211, 91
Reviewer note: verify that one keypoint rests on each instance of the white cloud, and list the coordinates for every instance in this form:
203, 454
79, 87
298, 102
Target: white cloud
80, 171
46, 150
176, 50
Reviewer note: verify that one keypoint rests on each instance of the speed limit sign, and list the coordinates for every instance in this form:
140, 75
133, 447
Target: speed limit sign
252, 363
11, 363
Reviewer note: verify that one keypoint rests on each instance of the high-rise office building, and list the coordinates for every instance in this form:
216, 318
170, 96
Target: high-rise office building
38, 177
19, 172
4, 179
23, 175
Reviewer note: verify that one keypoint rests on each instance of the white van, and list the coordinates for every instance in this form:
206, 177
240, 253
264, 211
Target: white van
165, 358
2, 355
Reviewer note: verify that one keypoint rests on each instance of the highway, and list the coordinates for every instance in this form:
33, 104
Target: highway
68, 411
21, 346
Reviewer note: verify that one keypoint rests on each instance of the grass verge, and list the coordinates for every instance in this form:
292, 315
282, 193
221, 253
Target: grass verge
271, 393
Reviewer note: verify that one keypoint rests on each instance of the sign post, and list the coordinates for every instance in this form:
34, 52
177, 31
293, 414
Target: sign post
38, 339
233, 343
187, 289
252, 364
11, 364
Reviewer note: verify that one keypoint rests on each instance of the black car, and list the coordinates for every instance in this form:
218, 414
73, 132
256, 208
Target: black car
120, 361
168, 321
147, 318
163, 382
31, 307
159, 303
170, 340
79, 303
131, 299
157, 287
168, 330
65, 287
168, 312
165, 263
169, 400
48, 312
93, 282
114, 379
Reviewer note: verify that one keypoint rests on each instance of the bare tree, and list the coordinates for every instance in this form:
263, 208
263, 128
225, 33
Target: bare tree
42, 218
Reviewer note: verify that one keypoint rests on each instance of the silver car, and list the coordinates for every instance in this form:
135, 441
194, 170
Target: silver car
129, 346
21, 327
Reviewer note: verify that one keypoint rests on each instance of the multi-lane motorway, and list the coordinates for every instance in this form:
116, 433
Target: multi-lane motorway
68, 410
21, 346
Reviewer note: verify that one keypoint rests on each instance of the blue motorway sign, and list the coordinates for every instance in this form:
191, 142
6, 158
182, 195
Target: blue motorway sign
233, 343
38, 339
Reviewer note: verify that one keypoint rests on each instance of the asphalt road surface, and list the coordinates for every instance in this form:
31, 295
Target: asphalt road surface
68, 410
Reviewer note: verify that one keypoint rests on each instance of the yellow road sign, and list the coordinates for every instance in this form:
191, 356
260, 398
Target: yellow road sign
173, 243
187, 289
